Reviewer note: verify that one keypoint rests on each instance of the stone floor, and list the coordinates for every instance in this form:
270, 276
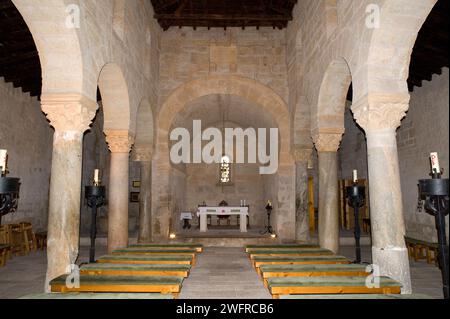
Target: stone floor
222, 273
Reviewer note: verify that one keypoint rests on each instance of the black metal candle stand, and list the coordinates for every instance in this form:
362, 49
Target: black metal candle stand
268, 229
9, 195
356, 199
435, 194
95, 197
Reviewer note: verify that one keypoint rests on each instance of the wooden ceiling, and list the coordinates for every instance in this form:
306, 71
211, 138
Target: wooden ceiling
19, 59
223, 13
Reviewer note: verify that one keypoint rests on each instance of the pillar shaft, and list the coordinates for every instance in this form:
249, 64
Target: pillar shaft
301, 195
120, 144
380, 116
70, 115
145, 204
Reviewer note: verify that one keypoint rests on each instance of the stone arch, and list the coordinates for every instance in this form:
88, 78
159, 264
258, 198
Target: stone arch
246, 88
115, 98
145, 127
329, 114
58, 45
392, 43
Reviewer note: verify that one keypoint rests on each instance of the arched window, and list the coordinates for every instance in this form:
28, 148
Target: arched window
225, 171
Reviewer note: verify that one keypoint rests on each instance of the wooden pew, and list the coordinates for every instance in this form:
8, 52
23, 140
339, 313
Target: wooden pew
93, 295
197, 247
147, 259
422, 250
287, 246
355, 296
152, 252
122, 284
329, 285
290, 252
304, 260
135, 270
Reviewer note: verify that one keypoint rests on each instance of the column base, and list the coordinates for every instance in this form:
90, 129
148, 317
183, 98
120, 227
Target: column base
394, 263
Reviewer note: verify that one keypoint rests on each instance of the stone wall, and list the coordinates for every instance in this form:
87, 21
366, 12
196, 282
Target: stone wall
424, 130
26, 134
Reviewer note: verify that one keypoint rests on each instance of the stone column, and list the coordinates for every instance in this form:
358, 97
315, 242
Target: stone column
380, 116
70, 115
120, 142
327, 145
144, 155
302, 157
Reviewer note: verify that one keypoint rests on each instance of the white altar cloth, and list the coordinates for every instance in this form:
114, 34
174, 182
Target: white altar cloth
203, 212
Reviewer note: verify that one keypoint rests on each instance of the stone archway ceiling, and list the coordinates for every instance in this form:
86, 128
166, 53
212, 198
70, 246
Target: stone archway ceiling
223, 13
19, 58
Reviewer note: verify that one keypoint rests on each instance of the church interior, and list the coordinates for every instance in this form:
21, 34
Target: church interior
350, 99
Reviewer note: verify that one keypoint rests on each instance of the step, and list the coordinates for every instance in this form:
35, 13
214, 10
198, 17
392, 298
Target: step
279, 246
269, 271
285, 252
124, 284
135, 270
354, 296
198, 247
78, 295
147, 259
330, 285
304, 260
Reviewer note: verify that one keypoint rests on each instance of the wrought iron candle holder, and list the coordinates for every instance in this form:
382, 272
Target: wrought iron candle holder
268, 229
435, 194
356, 199
9, 195
95, 197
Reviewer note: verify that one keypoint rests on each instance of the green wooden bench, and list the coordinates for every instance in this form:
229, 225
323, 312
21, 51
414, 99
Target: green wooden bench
422, 250
329, 285
303, 260
353, 296
197, 247
147, 259
95, 295
287, 246
123, 284
269, 271
135, 270
289, 252
4, 251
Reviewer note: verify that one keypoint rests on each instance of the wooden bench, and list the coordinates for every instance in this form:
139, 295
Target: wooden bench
269, 271
287, 246
123, 284
197, 247
422, 250
135, 270
147, 260
329, 285
93, 295
286, 252
151, 252
355, 296
304, 260
4, 252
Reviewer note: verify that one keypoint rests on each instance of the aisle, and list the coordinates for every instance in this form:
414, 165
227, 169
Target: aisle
223, 273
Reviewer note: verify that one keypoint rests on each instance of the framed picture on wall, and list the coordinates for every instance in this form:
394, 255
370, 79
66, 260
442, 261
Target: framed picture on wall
136, 184
134, 197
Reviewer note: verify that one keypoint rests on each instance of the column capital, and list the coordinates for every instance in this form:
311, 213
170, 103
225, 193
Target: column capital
142, 154
302, 155
328, 140
69, 112
377, 111
119, 141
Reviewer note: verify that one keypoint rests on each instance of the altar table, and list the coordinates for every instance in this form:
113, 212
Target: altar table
203, 212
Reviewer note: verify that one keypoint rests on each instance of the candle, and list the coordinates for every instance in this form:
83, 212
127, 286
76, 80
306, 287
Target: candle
435, 163
96, 174
355, 176
3, 157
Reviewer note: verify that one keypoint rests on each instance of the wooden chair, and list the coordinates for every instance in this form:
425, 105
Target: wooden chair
41, 240
3, 252
5, 239
17, 240
29, 238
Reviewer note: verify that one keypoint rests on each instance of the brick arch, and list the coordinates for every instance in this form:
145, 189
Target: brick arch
391, 45
116, 101
249, 89
330, 109
58, 46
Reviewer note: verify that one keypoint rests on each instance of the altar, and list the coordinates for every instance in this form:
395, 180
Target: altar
203, 213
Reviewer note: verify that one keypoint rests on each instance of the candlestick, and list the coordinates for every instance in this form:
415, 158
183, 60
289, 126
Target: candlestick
435, 168
355, 176
3, 158
96, 177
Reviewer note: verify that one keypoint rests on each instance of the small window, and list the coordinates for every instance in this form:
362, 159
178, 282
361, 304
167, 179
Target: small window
225, 172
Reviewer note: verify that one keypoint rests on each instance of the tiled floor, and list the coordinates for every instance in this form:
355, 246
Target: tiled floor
222, 273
